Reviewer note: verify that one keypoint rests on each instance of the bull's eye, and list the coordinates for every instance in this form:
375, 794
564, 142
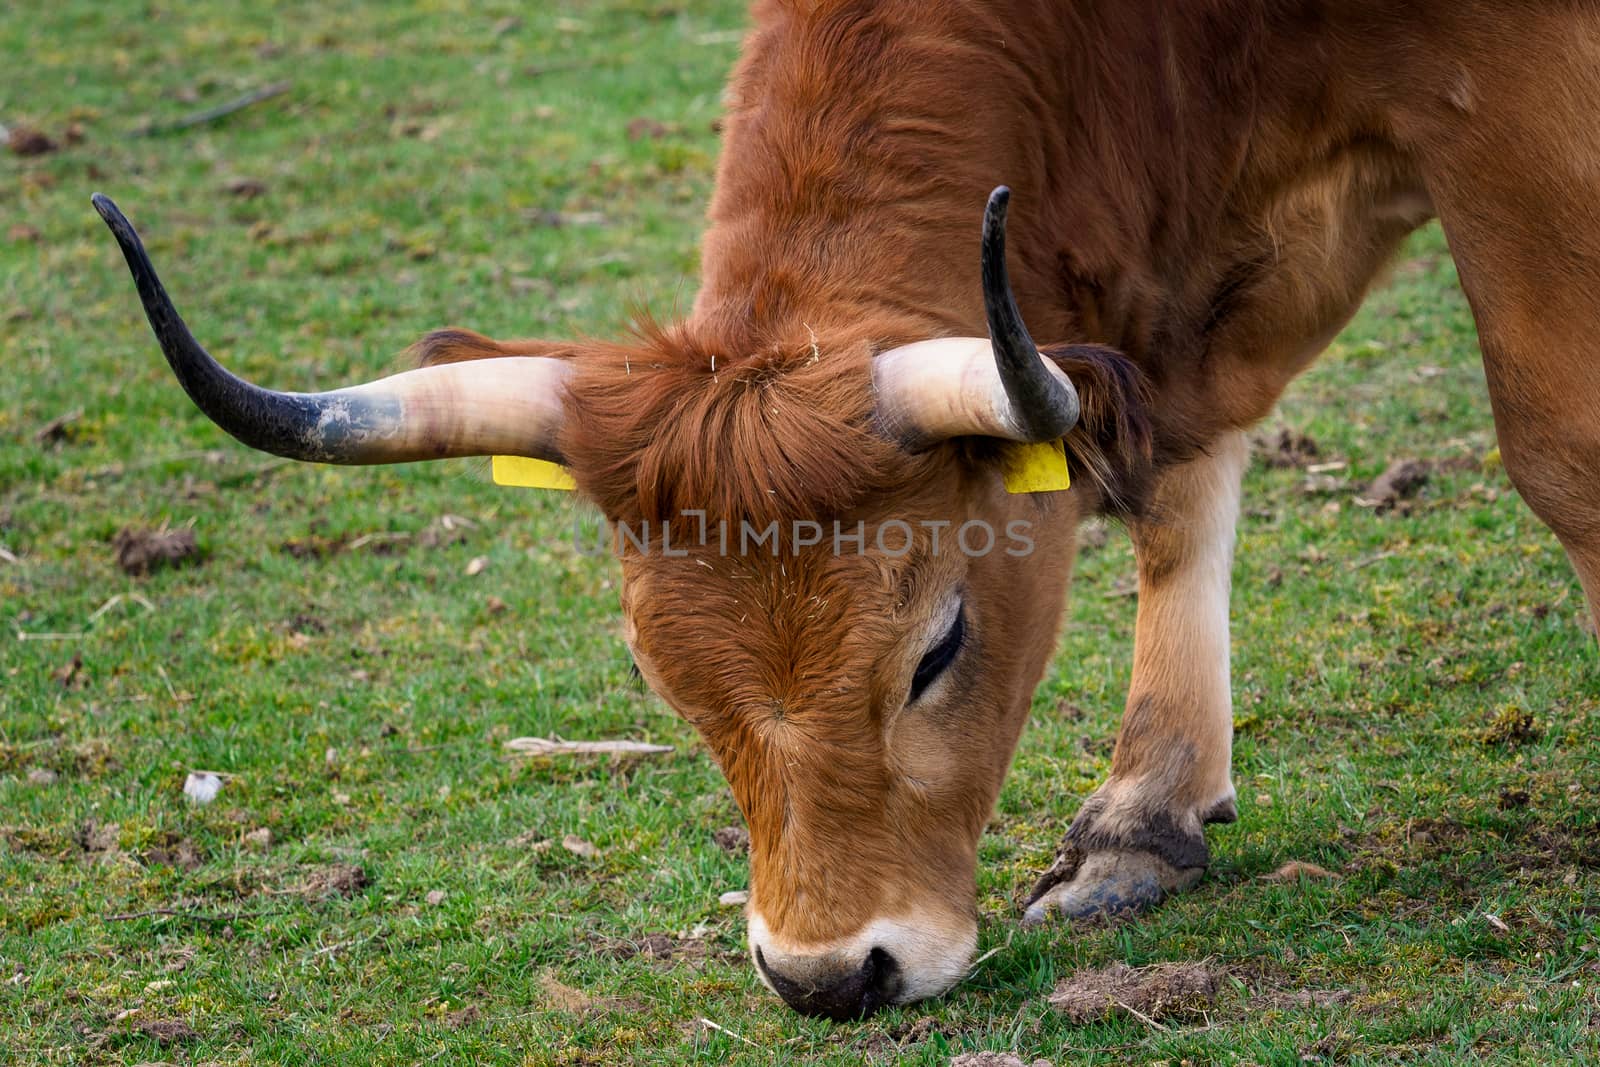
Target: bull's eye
939, 657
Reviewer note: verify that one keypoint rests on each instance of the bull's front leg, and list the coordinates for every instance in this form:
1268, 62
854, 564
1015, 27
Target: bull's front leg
1140, 836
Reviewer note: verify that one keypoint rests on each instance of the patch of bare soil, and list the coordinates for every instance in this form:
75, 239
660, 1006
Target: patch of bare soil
314, 546
891, 1045
26, 140
1533, 847
995, 1059
1288, 450
1403, 479
142, 551
463, 1018
334, 880
174, 851
1162, 990
563, 997
245, 188
734, 839
97, 837
661, 947
166, 1031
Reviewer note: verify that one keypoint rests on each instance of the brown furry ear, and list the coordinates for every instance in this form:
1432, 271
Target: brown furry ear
1112, 440
455, 345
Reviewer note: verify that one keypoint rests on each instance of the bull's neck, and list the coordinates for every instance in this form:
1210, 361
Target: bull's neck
862, 141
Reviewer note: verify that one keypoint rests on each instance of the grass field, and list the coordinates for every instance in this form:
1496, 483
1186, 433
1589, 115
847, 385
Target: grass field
1417, 693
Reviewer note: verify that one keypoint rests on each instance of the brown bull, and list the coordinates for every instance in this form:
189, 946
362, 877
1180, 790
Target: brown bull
1206, 190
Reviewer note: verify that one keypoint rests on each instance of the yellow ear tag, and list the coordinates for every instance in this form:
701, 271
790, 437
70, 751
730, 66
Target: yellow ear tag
524, 473
1037, 468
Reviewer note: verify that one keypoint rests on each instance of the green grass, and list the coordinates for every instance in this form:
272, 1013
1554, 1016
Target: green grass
359, 698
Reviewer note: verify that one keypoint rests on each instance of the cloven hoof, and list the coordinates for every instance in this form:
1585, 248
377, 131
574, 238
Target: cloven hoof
1110, 882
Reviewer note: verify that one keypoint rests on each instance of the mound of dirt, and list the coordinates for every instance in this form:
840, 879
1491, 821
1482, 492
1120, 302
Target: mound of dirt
143, 551
1155, 992
995, 1059
335, 880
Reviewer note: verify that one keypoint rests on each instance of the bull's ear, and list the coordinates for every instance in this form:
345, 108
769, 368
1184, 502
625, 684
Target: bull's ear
512, 404
455, 345
999, 386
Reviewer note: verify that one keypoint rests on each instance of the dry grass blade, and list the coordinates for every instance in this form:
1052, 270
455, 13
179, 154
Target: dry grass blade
540, 746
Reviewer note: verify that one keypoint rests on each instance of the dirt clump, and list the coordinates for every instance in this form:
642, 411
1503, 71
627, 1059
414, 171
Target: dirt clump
660, 947
1288, 450
96, 837
1514, 725
335, 880
166, 1031
464, 1017
173, 851
1401, 481
1159, 991
563, 997
142, 551
26, 140
70, 674
58, 430
1512, 799
734, 839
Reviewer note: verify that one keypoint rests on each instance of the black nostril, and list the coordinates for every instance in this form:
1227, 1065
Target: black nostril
853, 996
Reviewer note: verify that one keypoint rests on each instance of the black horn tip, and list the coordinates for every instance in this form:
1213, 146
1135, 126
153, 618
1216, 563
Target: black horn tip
108, 210
1045, 407
994, 216
120, 228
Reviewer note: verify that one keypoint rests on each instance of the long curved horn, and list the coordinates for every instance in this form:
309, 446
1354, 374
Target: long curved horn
505, 406
970, 386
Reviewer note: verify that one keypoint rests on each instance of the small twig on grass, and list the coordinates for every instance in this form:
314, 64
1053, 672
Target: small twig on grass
1361, 564
1141, 1016
221, 111
539, 746
377, 539
724, 1030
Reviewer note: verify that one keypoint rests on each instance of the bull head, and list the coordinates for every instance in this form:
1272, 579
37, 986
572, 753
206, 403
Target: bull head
863, 704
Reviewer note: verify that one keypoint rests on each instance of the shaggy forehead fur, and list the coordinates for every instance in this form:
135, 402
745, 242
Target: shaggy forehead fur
675, 423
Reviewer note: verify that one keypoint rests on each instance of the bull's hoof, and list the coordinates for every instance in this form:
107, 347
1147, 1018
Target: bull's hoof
1107, 882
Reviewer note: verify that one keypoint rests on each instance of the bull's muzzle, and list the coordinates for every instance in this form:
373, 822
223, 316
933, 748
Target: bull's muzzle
888, 961
835, 994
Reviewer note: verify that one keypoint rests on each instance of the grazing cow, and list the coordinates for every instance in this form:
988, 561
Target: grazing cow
1202, 194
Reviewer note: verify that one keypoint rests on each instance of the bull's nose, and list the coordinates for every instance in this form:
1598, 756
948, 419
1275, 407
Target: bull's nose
850, 995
